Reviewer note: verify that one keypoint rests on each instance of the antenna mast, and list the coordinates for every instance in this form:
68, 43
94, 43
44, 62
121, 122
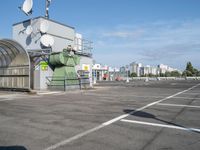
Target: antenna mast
47, 4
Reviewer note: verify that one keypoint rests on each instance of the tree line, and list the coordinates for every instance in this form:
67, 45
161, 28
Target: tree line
189, 71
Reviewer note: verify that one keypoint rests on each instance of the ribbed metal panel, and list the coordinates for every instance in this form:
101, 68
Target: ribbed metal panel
14, 65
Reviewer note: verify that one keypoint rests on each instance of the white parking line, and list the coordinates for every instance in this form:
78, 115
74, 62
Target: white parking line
6, 99
49, 93
185, 98
78, 136
160, 96
12, 97
108, 95
8, 95
177, 105
191, 93
160, 125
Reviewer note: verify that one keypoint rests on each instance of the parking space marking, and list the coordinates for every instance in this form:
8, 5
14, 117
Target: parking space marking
13, 97
186, 98
6, 99
117, 96
161, 125
177, 105
74, 138
191, 93
139, 96
78, 136
9, 97
49, 93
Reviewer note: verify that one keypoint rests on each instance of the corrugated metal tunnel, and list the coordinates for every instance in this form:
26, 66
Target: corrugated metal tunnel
14, 66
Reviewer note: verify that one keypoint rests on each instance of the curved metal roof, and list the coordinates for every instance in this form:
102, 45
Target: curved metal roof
12, 54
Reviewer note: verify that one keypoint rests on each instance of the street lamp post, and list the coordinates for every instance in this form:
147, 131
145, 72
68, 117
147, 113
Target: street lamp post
127, 78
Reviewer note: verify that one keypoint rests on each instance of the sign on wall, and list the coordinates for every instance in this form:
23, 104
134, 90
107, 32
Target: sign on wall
44, 66
86, 67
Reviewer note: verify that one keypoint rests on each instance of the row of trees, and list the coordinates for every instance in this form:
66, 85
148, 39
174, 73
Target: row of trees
190, 71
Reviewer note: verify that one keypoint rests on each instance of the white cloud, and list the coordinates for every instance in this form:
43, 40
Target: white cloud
124, 34
168, 41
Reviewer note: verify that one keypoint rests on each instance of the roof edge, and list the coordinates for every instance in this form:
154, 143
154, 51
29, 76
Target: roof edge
45, 19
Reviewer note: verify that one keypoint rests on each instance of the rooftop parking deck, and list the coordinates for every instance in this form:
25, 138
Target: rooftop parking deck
112, 116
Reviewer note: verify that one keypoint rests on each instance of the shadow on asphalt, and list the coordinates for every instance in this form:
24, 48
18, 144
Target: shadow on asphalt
151, 116
13, 148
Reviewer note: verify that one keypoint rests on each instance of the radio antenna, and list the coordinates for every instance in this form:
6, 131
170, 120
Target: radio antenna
48, 2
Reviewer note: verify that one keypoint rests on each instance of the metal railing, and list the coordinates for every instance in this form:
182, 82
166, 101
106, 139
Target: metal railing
165, 78
67, 82
83, 46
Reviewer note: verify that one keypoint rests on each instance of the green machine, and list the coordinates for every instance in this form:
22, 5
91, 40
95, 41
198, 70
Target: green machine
64, 68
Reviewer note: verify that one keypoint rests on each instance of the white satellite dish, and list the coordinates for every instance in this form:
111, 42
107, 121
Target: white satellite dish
27, 7
44, 26
47, 40
29, 30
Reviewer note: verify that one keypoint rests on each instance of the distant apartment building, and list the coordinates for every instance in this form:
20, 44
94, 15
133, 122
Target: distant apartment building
146, 70
135, 68
122, 69
104, 72
154, 70
164, 68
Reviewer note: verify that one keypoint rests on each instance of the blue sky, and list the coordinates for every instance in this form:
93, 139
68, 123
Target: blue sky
123, 31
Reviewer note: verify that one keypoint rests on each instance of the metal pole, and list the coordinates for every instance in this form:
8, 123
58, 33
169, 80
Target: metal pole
80, 83
32, 66
64, 84
127, 78
46, 13
47, 4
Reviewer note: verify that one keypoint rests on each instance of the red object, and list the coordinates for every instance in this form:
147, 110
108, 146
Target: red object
105, 76
118, 79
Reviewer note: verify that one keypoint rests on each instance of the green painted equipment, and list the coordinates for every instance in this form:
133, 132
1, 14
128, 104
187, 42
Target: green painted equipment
64, 68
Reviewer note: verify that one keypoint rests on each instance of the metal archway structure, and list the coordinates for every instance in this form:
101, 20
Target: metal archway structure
14, 66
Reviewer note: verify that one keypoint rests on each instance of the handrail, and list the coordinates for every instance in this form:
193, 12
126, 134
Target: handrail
64, 79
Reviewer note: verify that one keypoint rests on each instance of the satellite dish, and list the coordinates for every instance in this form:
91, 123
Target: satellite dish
47, 40
44, 26
27, 7
29, 30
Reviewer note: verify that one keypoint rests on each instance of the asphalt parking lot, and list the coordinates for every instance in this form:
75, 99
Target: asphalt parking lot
157, 115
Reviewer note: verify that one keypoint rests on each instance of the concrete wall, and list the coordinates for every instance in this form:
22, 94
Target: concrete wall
40, 81
85, 60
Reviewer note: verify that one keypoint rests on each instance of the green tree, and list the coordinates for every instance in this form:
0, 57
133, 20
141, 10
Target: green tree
151, 75
189, 67
167, 74
162, 75
175, 74
187, 73
133, 74
184, 74
198, 74
190, 70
